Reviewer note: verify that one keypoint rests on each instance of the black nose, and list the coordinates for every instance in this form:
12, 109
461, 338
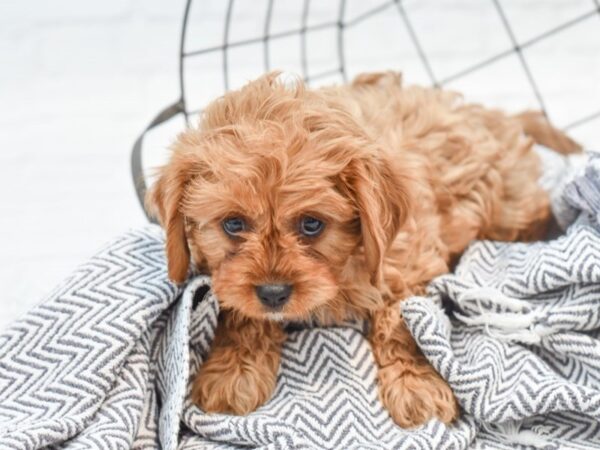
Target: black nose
274, 295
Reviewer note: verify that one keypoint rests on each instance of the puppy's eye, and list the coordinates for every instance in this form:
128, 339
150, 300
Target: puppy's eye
311, 227
234, 225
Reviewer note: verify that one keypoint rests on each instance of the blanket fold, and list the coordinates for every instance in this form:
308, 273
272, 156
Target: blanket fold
105, 361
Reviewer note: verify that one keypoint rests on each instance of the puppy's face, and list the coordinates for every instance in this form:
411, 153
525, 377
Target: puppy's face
273, 236
274, 205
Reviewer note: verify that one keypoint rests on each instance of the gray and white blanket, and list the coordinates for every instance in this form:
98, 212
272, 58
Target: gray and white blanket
104, 361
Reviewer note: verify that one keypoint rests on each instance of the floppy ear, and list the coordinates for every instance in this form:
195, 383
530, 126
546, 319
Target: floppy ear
382, 200
163, 201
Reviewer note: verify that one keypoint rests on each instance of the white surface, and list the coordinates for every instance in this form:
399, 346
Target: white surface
79, 80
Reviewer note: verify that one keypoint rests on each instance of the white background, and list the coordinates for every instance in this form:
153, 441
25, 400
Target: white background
79, 79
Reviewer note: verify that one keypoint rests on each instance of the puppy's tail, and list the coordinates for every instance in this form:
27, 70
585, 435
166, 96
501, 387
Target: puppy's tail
539, 128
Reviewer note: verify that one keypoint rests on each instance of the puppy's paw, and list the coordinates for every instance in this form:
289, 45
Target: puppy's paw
414, 396
231, 386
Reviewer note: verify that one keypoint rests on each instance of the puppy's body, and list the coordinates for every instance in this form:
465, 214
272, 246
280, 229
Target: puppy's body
402, 179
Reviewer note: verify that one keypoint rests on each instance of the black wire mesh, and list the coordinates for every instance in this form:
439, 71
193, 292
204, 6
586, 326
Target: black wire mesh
340, 26
209, 41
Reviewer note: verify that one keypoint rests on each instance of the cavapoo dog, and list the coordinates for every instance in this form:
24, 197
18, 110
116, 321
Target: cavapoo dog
338, 203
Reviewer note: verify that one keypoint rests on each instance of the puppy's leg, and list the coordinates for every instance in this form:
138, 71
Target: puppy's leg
240, 372
409, 387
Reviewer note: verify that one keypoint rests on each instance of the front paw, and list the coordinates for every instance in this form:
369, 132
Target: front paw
233, 387
416, 394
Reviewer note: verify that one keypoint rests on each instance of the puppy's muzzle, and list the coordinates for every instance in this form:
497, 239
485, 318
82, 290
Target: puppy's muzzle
274, 295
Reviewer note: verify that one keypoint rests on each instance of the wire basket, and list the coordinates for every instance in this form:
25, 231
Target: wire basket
489, 45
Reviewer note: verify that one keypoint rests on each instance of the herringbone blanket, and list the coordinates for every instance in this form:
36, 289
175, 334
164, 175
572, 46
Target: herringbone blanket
103, 362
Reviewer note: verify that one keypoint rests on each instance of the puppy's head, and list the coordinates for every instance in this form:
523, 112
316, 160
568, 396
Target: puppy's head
273, 195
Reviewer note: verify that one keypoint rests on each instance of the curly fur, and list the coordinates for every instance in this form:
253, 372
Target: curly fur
403, 177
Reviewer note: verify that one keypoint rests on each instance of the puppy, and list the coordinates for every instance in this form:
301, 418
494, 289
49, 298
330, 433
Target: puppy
336, 204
